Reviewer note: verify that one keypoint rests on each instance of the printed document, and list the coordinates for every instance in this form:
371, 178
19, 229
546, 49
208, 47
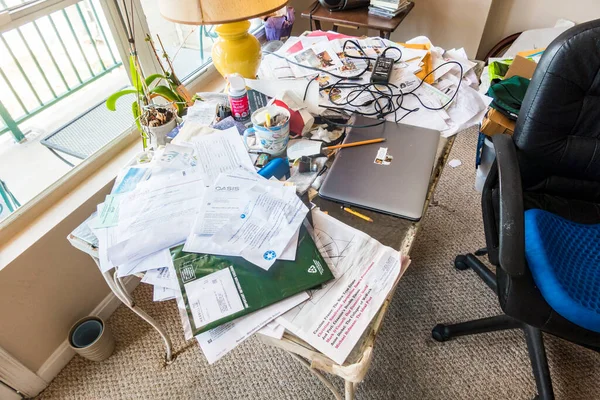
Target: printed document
222, 151
213, 297
153, 218
267, 223
336, 316
222, 202
165, 277
221, 340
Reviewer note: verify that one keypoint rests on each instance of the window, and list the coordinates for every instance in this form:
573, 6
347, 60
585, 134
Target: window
59, 61
55, 72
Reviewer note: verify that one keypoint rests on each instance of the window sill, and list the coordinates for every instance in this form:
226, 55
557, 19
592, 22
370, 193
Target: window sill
34, 220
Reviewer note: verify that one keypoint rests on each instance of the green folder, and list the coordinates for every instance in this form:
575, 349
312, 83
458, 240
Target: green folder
256, 287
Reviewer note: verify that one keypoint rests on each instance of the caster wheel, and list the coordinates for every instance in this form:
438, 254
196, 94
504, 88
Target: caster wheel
481, 252
460, 263
439, 333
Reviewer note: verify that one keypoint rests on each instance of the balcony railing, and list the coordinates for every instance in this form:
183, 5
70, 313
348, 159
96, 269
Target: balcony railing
50, 58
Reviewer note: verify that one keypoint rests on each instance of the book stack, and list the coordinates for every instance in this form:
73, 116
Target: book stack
387, 8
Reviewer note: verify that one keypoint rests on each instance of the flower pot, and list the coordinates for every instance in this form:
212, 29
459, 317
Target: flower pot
159, 133
91, 338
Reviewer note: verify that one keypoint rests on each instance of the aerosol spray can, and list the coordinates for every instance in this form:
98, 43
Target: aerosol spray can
238, 98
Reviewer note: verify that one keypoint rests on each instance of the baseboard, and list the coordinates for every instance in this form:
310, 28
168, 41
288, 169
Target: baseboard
63, 354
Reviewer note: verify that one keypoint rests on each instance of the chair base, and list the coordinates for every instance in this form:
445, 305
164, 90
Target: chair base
533, 336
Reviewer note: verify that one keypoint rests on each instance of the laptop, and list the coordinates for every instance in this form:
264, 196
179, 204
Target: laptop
391, 177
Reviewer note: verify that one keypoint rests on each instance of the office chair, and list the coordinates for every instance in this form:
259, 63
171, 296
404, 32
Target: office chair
541, 209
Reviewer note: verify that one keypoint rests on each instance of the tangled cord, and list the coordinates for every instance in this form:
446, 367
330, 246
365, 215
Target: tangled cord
381, 96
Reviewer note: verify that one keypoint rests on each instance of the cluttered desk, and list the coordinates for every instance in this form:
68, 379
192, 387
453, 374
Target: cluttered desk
287, 206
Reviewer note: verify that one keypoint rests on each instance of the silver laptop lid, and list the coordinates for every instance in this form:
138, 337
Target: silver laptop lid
390, 177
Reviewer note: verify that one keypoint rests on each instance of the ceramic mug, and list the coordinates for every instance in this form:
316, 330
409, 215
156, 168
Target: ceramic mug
272, 140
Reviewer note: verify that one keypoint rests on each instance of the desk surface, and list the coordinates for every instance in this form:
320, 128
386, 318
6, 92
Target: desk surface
357, 17
392, 231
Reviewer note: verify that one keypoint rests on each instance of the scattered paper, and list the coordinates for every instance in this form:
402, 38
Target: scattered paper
222, 202
272, 329
165, 277
221, 340
337, 315
213, 297
155, 218
176, 157
109, 214
302, 147
160, 259
202, 112
455, 163
269, 220
163, 294
128, 179
220, 152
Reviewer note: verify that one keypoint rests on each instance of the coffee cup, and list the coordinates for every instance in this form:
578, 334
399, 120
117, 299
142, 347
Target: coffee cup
269, 139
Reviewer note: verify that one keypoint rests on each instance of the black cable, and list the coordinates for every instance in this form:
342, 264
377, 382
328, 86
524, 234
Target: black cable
308, 85
381, 96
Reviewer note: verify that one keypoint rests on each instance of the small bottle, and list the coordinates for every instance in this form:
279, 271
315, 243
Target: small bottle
238, 98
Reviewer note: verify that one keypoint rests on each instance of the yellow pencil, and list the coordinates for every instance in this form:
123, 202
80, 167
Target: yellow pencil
342, 146
357, 214
267, 120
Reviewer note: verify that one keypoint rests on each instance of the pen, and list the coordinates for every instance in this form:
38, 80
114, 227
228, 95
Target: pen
357, 214
341, 146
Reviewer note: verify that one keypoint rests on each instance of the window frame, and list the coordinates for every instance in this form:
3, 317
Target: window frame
25, 215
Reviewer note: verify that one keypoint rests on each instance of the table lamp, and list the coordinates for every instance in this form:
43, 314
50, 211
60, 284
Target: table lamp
235, 51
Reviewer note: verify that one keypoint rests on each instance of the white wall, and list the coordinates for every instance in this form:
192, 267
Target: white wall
512, 16
447, 23
46, 289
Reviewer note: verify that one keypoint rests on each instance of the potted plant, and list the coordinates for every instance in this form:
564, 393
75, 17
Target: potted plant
152, 119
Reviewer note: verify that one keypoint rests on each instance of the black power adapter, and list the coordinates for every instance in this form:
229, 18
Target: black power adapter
382, 70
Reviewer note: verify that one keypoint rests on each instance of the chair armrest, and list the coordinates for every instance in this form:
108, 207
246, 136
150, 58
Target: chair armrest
511, 225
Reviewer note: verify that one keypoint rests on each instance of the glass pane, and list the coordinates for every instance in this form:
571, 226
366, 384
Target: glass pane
188, 46
55, 74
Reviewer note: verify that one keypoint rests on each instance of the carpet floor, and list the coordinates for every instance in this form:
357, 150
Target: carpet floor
407, 363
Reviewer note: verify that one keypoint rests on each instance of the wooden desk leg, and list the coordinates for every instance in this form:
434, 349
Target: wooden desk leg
384, 34
317, 24
350, 388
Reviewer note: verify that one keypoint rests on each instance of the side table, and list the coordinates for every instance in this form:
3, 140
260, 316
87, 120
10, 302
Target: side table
355, 18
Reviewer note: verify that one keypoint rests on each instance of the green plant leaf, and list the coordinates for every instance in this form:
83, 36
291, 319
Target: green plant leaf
111, 102
135, 76
152, 78
135, 110
170, 95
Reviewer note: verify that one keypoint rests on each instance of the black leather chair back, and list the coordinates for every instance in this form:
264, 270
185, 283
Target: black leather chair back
558, 149
558, 129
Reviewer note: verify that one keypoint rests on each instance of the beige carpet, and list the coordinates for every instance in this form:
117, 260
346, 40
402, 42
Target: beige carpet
408, 364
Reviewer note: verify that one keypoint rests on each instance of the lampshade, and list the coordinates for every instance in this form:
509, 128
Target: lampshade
210, 12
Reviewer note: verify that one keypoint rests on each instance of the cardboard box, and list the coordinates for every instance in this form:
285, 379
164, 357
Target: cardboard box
522, 67
496, 123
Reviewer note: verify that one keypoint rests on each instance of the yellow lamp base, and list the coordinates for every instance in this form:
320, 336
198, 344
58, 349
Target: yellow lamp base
236, 50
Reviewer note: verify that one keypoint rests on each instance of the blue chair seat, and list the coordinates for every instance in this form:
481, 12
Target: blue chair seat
564, 259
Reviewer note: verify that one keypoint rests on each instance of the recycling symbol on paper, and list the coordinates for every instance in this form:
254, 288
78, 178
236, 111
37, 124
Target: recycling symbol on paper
269, 255
312, 269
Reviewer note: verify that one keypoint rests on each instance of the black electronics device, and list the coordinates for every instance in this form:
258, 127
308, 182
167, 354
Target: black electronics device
382, 70
339, 5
